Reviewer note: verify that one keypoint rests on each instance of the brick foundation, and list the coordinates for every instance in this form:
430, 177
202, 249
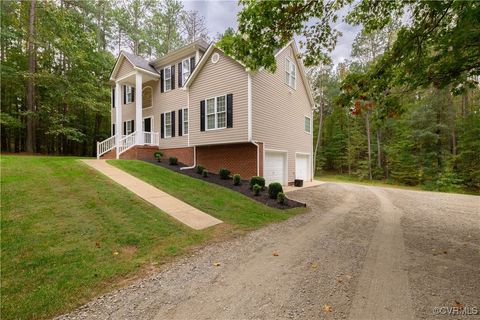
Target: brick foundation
184, 155
238, 158
139, 153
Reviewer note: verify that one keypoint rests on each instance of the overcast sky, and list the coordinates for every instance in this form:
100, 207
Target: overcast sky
221, 14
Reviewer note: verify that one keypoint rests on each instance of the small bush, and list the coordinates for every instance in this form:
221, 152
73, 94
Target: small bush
281, 197
273, 189
173, 161
256, 189
205, 173
158, 155
257, 180
200, 169
236, 179
224, 173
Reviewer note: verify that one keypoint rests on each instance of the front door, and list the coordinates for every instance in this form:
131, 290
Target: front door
147, 129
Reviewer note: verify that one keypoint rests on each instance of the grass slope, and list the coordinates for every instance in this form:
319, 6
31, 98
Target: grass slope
224, 204
68, 233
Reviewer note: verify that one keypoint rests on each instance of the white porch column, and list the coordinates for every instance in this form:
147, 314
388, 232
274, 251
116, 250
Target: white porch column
118, 113
138, 108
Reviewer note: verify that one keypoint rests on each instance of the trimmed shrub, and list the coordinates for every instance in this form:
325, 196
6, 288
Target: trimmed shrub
158, 155
205, 173
200, 169
173, 161
273, 189
224, 173
236, 179
281, 197
256, 189
257, 180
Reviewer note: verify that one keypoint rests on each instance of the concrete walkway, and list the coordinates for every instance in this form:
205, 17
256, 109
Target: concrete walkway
181, 211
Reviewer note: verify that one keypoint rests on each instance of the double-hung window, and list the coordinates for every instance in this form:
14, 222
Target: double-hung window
167, 78
185, 121
308, 124
290, 73
216, 113
168, 124
185, 70
129, 94
128, 127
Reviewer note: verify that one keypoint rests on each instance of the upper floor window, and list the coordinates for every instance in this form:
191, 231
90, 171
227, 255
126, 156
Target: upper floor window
308, 124
290, 73
167, 79
168, 125
129, 94
185, 121
185, 70
216, 113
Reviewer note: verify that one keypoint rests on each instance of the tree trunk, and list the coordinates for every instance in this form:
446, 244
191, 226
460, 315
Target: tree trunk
319, 137
379, 149
369, 146
30, 144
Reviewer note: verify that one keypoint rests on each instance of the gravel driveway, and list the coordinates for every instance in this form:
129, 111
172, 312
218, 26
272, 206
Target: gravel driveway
360, 253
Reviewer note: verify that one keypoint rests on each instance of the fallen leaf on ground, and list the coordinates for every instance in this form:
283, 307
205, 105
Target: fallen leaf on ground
340, 280
216, 264
327, 308
97, 244
275, 254
314, 266
115, 253
458, 304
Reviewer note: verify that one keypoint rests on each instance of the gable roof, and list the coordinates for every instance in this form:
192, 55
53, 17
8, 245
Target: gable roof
277, 52
136, 61
178, 53
303, 74
202, 62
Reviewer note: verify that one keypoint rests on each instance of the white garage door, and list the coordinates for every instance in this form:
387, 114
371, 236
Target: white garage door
274, 167
302, 167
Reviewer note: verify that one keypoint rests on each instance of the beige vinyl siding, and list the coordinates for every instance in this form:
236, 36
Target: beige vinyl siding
224, 77
278, 112
168, 101
124, 69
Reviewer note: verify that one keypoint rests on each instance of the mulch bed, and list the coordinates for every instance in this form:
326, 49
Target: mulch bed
243, 188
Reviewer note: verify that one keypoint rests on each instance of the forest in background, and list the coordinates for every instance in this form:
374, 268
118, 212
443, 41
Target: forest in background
56, 59
423, 136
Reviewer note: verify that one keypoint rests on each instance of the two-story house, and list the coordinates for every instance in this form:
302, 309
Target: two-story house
206, 108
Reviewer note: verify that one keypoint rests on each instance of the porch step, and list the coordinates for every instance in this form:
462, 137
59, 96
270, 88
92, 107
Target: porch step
112, 154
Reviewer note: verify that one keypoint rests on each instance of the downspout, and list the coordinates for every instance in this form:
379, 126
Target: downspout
249, 119
194, 160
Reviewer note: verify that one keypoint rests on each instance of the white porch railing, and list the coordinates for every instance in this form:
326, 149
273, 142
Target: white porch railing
126, 143
151, 138
105, 146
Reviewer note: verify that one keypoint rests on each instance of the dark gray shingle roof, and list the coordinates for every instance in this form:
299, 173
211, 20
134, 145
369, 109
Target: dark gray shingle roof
139, 62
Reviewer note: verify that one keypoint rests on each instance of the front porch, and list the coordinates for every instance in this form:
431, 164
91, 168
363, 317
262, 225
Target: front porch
131, 127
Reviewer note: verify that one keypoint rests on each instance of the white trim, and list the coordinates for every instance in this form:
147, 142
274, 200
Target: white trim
258, 156
130, 87
183, 121
165, 124
165, 79
143, 89
151, 123
156, 75
188, 106
310, 120
283, 49
184, 80
215, 113
292, 73
128, 75
249, 107
126, 128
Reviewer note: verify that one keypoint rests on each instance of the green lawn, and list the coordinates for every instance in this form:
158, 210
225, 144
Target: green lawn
225, 204
68, 233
